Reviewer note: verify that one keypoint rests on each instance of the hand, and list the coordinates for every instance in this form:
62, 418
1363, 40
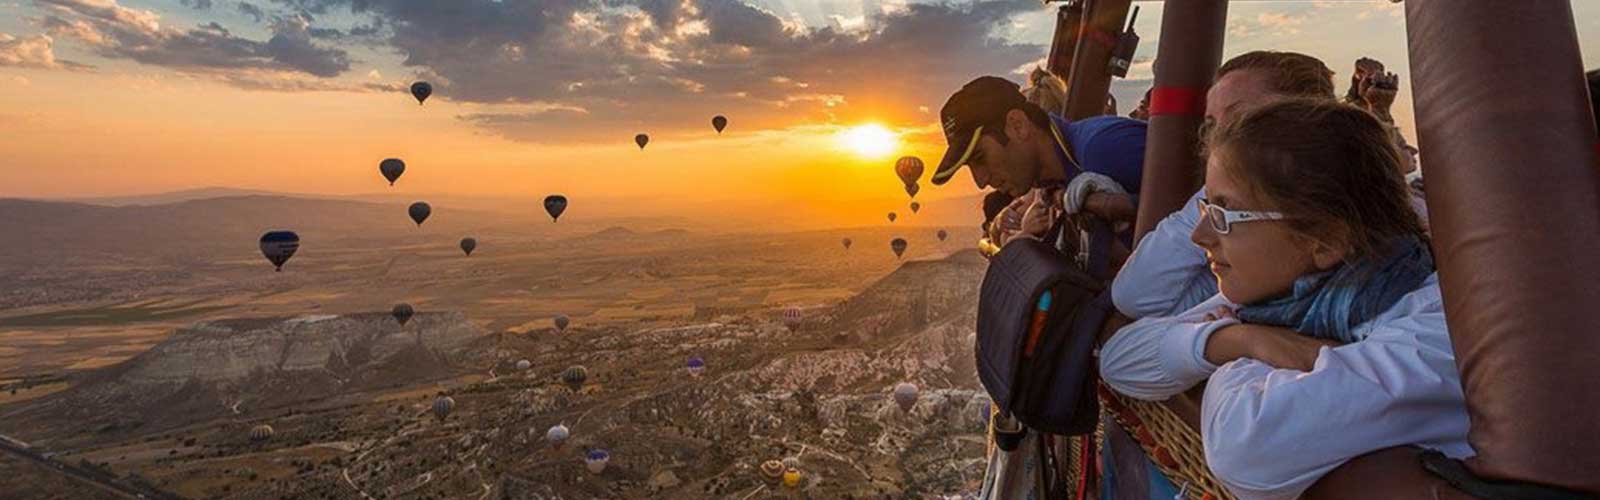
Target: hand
1378, 91
1277, 347
1038, 216
1082, 186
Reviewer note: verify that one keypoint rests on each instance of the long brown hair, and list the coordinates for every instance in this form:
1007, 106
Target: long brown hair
1331, 167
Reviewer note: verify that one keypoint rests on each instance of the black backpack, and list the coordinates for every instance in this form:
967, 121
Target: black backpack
1046, 380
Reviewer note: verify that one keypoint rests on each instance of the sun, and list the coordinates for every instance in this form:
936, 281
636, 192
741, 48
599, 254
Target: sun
870, 141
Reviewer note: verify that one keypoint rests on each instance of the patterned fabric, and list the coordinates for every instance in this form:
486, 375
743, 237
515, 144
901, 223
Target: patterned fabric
1329, 305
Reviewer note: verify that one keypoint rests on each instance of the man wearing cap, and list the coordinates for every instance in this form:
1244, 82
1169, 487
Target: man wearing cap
1014, 147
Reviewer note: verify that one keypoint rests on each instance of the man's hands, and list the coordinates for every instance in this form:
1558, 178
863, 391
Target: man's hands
1378, 91
1276, 346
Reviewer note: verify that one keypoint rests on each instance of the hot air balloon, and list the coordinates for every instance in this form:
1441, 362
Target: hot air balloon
697, 366
554, 205
792, 317
402, 313
442, 406
772, 471
524, 364
561, 322
421, 91
392, 168
847, 243
468, 245
791, 478
279, 246
916, 207
557, 436
909, 168
791, 462
261, 433
898, 245
575, 376
641, 140
912, 189
893, 216
596, 460
905, 395
942, 235
719, 122
419, 212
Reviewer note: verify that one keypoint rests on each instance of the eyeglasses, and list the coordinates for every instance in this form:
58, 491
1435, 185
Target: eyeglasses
1222, 219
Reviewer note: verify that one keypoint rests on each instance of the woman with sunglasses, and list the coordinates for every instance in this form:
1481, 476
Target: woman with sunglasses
1328, 339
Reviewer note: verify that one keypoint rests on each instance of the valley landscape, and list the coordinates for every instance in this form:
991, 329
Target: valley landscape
144, 343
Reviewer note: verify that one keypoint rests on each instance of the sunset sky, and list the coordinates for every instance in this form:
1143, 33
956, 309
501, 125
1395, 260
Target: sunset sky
112, 97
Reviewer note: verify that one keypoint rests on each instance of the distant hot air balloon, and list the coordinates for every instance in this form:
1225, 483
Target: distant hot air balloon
468, 245
421, 91
575, 376
772, 471
719, 122
909, 168
898, 245
442, 406
791, 462
561, 322
905, 395
402, 313
261, 433
554, 205
419, 211
596, 460
792, 317
557, 436
641, 140
392, 168
847, 243
697, 366
912, 189
791, 478
942, 235
893, 216
279, 246
524, 364
915, 207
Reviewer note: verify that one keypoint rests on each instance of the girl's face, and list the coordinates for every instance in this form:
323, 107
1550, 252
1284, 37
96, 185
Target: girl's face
1258, 260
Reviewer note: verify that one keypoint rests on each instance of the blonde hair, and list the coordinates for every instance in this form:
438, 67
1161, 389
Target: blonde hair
1046, 91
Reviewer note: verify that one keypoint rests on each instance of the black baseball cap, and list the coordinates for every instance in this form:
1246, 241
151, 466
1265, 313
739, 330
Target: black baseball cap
981, 102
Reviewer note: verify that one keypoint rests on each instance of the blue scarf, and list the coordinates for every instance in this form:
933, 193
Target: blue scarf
1330, 304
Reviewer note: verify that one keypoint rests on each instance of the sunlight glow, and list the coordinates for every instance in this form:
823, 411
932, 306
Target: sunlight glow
869, 141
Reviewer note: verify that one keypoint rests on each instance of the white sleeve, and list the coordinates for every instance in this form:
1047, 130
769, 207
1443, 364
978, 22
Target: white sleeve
1271, 433
1156, 358
1167, 272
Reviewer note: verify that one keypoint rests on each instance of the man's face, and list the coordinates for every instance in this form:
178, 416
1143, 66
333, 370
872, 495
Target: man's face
1236, 92
1010, 168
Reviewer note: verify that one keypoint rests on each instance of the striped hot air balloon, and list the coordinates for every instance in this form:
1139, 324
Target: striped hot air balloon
696, 366
442, 407
792, 317
772, 471
596, 460
261, 432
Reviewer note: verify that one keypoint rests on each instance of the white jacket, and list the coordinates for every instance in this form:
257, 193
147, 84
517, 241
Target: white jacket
1167, 272
1270, 433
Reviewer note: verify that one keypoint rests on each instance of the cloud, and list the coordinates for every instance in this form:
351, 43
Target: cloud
196, 4
250, 9
36, 51
118, 32
662, 64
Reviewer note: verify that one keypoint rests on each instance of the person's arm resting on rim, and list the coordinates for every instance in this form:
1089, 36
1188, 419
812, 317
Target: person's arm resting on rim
1167, 273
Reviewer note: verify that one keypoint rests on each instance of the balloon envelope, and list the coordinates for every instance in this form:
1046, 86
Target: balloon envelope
791, 478
909, 168
468, 245
421, 91
893, 216
575, 376
419, 211
557, 435
442, 407
554, 205
847, 243
912, 189
696, 366
915, 207
596, 460
261, 433
402, 313
792, 316
905, 395
772, 470
392, 168
898, 245
719, 122
279, 246
561, 322
942, 235
641, 140
524, 364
